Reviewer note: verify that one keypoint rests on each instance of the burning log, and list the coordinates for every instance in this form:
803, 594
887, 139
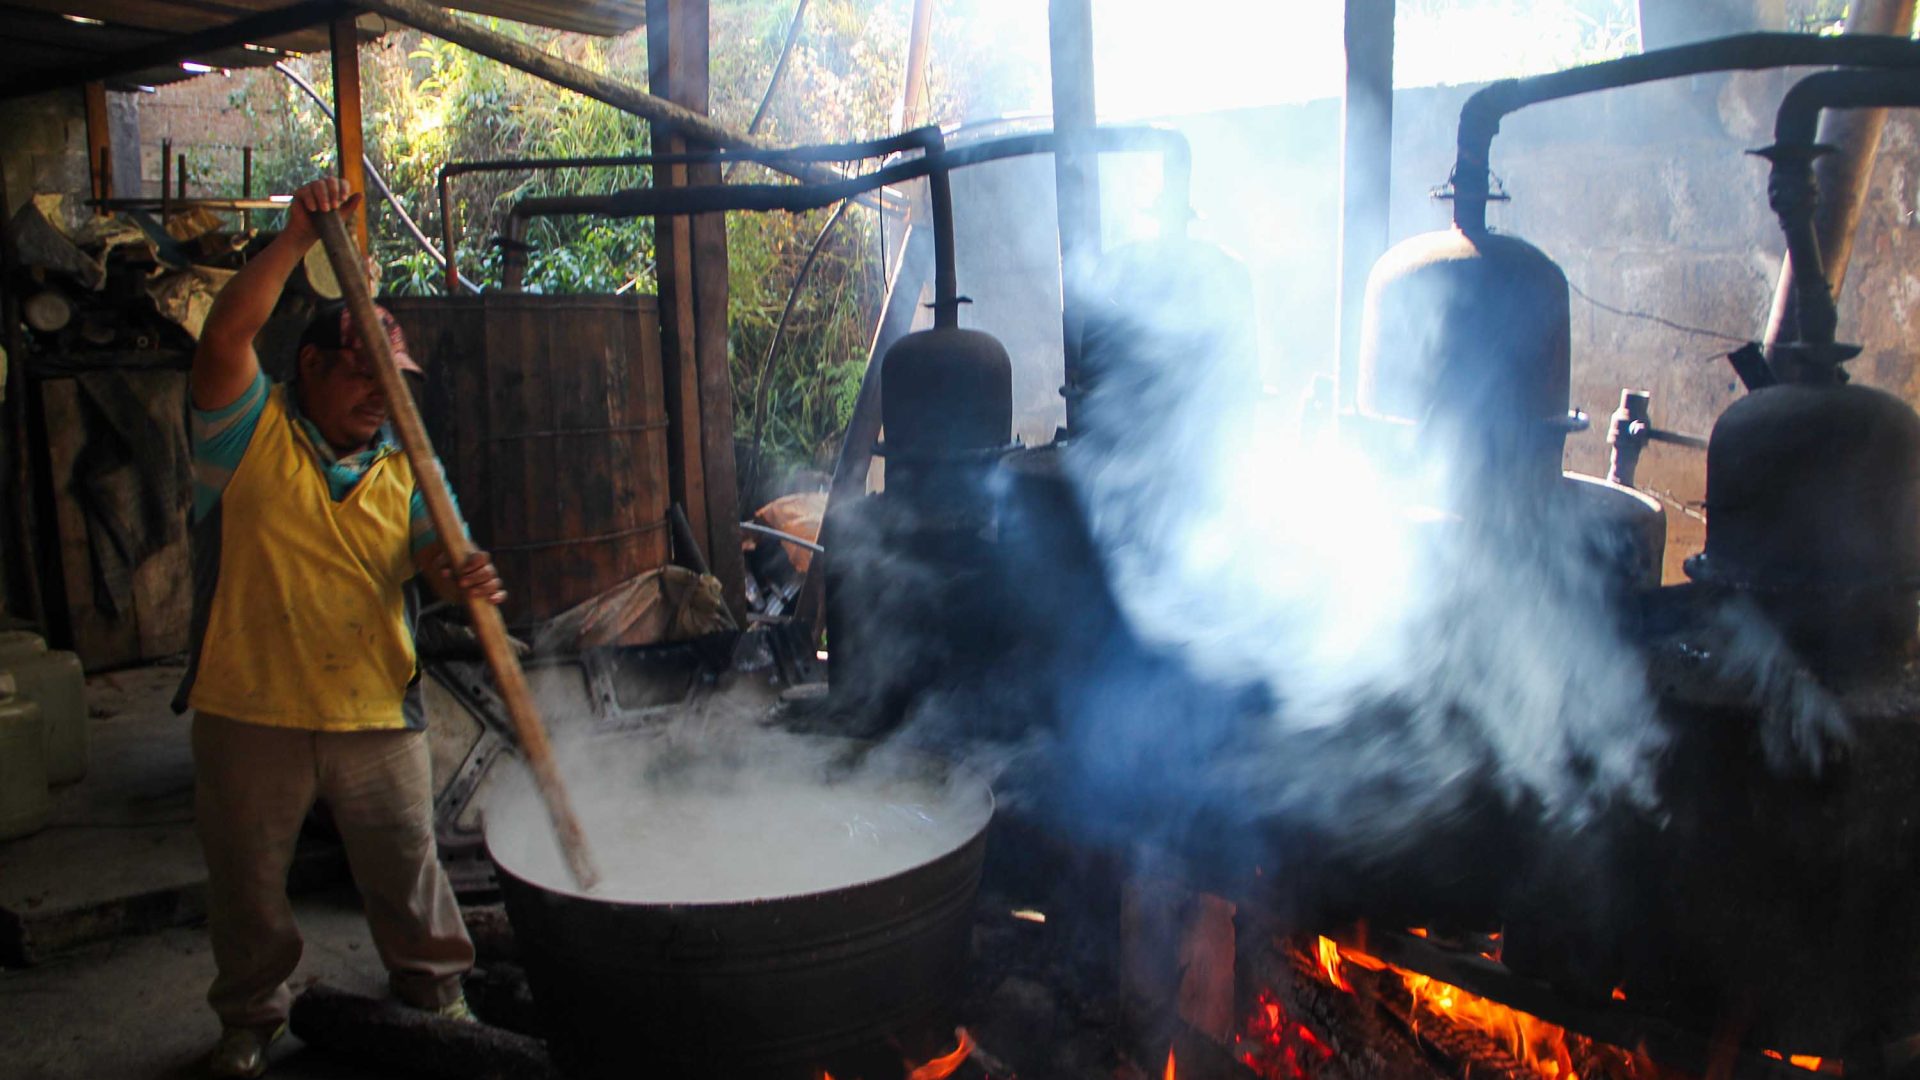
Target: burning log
392, 1037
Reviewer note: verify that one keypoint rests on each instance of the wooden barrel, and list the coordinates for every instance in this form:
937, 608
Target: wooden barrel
550, 416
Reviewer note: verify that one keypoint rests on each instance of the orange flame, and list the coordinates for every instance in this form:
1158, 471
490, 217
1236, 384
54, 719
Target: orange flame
1330, 964
1545, 1049
1170, 1072
946, 1064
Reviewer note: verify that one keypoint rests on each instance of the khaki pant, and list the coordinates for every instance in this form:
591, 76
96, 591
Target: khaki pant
253, 786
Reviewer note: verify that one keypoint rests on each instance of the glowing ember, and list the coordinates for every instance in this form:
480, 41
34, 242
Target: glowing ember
1809, 1062
946, 1064
1619, 994
1274, 1046
1030, 915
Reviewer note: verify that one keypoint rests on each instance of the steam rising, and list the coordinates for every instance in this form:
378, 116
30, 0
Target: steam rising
714, 808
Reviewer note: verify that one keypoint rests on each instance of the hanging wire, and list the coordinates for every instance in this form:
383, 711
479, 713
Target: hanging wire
1657, 319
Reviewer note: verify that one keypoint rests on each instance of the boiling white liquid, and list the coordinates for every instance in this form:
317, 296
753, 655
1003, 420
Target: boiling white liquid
746, 837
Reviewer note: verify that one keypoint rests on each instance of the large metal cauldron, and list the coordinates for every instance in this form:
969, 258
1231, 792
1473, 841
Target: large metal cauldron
772, 988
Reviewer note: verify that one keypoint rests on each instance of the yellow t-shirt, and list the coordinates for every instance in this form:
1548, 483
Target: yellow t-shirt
306, 625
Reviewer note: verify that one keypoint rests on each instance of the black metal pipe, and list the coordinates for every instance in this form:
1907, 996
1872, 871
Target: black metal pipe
1076, 179
823, 152
935, 163
1480, 116
1791, 190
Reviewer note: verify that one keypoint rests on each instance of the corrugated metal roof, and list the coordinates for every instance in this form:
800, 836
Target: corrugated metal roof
42, 42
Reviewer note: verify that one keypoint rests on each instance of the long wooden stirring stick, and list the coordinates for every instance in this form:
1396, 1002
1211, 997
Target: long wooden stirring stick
492, 629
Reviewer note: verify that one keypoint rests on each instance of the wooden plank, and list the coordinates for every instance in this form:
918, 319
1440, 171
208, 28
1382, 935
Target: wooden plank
673, 243
102, 642
688, 64
604, 18
172, 17
677, 42
647, 468
163, 583
99, 138
172, 49
349, 134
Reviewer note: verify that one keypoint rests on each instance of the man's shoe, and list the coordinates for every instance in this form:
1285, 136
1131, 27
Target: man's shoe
456, 1010
242, 1051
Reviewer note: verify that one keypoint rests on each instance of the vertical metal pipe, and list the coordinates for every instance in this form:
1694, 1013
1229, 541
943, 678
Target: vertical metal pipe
1076, 172
246, 186
166, 180
946, 283
180, 175
1842, 177
447, 242
1366, 174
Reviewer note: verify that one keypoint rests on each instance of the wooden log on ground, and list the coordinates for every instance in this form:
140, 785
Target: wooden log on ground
391, 1037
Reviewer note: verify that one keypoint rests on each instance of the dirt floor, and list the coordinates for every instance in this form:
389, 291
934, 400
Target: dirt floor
135, 1008
119, 865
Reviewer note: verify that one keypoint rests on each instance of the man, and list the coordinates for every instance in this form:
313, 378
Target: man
307, 526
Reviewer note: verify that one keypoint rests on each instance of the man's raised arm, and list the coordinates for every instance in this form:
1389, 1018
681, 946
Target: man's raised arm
224, 364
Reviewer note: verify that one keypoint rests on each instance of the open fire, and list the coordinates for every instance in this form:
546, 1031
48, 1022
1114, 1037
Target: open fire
1465, 1029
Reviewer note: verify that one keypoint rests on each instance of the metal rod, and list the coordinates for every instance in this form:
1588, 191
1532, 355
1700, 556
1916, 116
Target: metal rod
1480, 116
166, 180
783, 537
180, 178
430, 481
684, 543
246, 186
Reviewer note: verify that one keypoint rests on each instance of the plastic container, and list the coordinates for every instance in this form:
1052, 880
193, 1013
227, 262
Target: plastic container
24, 801
57, 683
20, 644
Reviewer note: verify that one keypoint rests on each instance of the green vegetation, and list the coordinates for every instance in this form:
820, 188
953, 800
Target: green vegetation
428, 103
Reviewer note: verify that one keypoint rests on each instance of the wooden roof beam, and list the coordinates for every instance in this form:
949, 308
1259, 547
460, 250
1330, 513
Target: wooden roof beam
298, 16
698, 129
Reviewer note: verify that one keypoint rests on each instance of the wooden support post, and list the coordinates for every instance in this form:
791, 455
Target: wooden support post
350, 138
1366, 172
23, 590
692, 260
99, 141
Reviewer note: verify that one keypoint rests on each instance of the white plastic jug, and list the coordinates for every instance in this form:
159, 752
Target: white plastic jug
55, 681
24, 801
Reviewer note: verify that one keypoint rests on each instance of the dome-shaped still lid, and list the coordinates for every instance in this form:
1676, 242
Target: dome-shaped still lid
1472, 325
946, 393
1813, 487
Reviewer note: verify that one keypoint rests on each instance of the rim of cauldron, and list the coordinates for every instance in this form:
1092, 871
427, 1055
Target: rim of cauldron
945, 767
